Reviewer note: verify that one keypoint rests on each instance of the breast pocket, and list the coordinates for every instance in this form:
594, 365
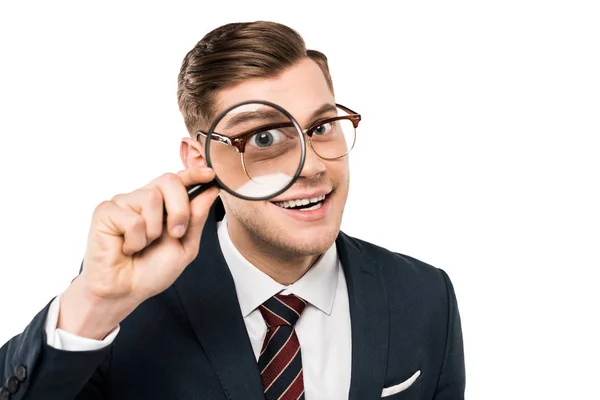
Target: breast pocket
407, 390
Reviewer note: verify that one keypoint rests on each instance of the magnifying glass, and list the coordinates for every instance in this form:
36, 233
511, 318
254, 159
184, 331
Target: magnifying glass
256, 149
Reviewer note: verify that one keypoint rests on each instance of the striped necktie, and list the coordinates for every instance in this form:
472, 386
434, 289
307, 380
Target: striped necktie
280, 361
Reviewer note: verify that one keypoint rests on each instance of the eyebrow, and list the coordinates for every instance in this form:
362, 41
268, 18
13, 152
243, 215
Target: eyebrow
325, 108
260, 114
268, 114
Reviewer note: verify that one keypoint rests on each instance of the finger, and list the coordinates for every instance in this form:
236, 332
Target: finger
200, 207
191, 176
195, 175
148, 202
176, 203
116, 221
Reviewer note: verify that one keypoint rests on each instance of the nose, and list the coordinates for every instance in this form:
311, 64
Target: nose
313, 164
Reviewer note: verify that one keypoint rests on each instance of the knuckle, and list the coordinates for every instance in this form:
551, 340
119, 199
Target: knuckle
169, 178
150, 198
134, 223
117, 198
154, 197
102, 208
104, 204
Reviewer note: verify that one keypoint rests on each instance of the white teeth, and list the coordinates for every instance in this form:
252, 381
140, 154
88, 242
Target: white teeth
315, 207
302, 202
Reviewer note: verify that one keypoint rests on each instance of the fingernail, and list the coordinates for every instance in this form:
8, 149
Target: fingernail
179, 231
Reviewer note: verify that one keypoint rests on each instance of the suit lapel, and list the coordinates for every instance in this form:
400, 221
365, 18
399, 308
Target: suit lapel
208, 296
369, 319
207, 293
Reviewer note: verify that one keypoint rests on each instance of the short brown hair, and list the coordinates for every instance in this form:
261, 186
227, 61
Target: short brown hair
231, 54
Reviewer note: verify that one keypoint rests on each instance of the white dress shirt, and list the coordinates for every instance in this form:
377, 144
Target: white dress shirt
323, 329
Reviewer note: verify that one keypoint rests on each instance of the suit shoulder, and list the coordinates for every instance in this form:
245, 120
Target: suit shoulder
399, 266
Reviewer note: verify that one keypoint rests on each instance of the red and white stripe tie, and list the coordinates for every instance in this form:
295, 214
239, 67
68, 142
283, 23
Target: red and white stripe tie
280, 361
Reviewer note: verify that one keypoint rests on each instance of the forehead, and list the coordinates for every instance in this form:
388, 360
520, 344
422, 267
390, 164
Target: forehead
300, 89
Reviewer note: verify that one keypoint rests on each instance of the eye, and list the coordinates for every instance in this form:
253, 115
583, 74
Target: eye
265, 138
323, 129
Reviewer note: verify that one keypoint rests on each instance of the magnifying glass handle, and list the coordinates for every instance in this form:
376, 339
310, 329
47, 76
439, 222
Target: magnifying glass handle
193, 192
196, 190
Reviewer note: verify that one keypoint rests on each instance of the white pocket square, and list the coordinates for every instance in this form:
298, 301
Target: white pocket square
401, 386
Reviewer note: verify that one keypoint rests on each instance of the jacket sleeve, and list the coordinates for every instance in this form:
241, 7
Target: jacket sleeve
30, 369
451, 382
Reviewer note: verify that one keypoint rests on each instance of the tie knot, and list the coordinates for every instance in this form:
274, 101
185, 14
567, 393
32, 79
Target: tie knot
282, 309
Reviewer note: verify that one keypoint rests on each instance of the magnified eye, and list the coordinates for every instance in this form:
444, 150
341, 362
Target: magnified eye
324, 129
266, 138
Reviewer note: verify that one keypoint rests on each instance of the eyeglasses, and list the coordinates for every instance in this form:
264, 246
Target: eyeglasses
330, 138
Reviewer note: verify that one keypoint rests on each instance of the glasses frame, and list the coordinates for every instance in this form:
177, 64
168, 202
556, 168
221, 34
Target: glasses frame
240, 140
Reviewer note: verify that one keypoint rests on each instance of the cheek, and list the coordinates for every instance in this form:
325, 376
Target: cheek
235, 206
339, 171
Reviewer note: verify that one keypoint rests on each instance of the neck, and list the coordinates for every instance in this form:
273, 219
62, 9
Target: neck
280, 264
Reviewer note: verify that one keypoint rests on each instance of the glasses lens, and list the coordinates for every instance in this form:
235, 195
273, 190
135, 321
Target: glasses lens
256, 150
334, 139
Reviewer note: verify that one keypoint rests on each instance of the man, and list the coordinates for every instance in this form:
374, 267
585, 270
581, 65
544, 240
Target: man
237, 299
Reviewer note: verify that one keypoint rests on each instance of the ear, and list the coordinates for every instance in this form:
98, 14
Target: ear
192, 153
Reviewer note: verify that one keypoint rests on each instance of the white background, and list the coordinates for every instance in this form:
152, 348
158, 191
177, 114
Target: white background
493, 108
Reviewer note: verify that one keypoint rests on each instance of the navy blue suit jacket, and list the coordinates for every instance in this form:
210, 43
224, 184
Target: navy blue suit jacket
190, 341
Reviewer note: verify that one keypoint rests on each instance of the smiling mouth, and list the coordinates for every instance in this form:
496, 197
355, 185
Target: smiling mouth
306, 204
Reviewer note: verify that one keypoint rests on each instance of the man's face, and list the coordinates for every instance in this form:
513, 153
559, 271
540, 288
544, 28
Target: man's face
265, 225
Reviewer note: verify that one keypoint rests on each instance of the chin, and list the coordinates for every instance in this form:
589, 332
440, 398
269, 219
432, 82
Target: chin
307, 239
310, 242
306, 232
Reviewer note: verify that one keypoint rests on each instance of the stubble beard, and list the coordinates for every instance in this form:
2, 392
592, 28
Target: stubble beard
278, 242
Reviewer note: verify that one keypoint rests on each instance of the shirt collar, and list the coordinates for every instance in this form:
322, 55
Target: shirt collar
318, 286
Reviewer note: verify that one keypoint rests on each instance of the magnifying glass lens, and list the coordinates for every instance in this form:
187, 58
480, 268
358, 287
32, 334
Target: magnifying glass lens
256, 150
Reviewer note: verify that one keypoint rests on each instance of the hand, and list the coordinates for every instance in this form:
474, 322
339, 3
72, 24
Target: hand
132, 254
